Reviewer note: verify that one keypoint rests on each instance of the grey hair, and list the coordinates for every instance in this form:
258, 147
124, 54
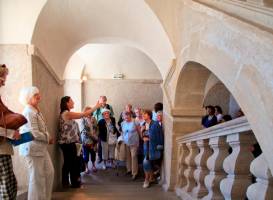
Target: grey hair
27, 93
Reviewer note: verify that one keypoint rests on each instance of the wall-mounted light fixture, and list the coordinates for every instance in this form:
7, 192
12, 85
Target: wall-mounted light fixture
118, 76
83, 79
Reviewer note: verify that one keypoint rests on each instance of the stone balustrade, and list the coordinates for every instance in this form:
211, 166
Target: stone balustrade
245, 10
217, 162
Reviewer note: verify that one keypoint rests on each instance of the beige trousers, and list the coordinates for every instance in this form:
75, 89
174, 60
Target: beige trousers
41, 176
131, 159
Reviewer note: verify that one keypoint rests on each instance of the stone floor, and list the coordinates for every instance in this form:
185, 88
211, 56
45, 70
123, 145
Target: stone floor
107, 185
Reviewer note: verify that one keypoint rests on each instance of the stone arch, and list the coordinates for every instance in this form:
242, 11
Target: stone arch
219, 95
189, 93
98, 62
241, 82
104, 41
111, 20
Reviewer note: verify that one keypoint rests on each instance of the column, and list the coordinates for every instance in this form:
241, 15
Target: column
215, 165
183, 153
191, 166
263, 188
202, 171
237, 166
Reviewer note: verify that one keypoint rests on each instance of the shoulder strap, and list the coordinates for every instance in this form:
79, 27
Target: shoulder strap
4, 123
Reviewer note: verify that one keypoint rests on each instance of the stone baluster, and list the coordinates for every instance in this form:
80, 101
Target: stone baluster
183, 153
237, 165
265, 3
200, 173
191, 166
263, 188
215, 165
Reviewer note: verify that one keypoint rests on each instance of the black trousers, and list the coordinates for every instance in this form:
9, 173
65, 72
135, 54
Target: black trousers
71, 166
99, 150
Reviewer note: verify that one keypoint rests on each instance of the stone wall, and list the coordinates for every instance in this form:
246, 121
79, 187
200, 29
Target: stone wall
218, 95
18, 60
51, 92
140, 93
73, 88
238, 53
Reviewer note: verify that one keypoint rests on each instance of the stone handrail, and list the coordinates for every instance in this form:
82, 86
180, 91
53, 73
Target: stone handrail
217, 162
245, 10
236, 125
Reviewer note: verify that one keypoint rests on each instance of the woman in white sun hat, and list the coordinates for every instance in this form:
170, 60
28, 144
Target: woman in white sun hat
108, 135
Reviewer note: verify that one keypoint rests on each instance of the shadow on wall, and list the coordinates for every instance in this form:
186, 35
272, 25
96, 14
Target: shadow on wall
51, 92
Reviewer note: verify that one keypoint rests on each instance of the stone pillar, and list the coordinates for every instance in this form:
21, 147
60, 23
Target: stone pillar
191, 166
237, 165
200, 173
263, 188
183, 153
215, 165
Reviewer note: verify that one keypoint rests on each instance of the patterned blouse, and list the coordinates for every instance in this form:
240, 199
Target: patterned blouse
68, 130
89, 131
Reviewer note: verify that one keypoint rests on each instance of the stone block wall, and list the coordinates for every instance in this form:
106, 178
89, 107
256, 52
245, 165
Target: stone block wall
51, 93
18, 60
121, 92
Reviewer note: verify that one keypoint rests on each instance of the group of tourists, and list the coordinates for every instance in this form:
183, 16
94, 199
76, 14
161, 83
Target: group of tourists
214, 115
142, 136
140, 130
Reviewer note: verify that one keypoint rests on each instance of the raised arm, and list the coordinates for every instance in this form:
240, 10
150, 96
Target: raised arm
77, 115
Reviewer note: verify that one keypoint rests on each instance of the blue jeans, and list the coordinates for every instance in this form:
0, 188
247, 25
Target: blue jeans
89, 151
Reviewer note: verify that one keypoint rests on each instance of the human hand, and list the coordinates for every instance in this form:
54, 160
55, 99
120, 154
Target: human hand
142, 129
145, 139
51, 140
16, 135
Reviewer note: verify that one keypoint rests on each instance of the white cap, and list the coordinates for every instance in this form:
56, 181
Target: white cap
105, 110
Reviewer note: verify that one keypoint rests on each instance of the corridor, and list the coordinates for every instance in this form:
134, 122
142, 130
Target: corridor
106, 185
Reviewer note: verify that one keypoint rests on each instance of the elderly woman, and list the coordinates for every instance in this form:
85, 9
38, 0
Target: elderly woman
130, 133
68, 137
128, 108
41, 171
139, 117
8, 183
153, 138
89, 138
108, 135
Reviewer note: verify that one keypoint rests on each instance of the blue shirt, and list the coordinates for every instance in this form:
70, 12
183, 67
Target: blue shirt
130, 134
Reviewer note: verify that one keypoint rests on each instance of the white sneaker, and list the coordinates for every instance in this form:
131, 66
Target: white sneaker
146, 184
103, 167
